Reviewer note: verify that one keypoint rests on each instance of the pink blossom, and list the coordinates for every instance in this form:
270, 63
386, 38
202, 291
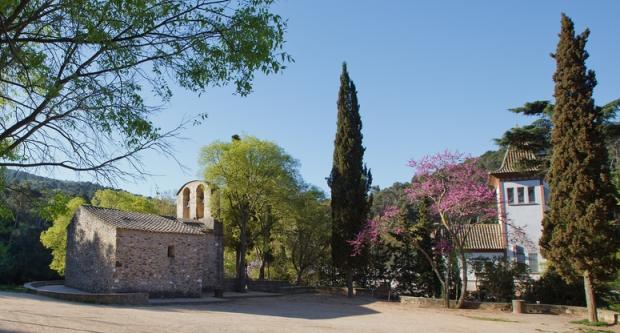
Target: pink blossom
457, 190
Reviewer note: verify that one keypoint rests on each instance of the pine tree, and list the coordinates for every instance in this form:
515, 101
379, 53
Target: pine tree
349, 181
579, 236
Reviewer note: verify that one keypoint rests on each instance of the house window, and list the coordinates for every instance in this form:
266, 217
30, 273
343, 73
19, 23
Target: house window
521, 194
510, 194
520, 251
533, 262
171, 251
531, 194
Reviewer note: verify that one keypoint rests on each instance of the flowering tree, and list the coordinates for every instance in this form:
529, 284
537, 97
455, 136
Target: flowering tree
458, 197
390, 227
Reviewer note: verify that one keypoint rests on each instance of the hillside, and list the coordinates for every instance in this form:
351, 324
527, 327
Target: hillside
83, 189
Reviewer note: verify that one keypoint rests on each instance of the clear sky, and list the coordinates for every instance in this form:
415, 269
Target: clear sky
431, 75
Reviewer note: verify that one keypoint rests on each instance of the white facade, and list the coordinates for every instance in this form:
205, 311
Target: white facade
522, 207
193, 202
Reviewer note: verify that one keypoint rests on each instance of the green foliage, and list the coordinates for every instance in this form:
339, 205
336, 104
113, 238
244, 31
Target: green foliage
308, 232
399, 257
22, 257
85, 190
76, 71
500, 280
492, 160
349, 180
254, 180
579, 234
55, 238
123, 200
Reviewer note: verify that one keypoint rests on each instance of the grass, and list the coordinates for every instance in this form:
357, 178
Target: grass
13, 288
588, 323
492, 319
589, 330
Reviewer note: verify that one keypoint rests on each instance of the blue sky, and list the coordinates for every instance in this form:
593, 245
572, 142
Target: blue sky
431, 75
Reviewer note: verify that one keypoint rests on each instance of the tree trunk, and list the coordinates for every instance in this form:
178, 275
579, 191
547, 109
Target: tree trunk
461, 302
350, 282
299, 278
446, 286
261, 272
590, 297
241, 266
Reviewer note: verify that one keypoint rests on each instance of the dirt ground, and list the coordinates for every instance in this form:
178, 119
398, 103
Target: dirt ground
21, 312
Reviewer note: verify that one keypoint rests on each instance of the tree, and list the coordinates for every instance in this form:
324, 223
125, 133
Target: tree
22, 256
459, 197
73, 73
349, 181
55, 238
123, 200
249, 174
404, 252
579, 232
307, 236
536, 136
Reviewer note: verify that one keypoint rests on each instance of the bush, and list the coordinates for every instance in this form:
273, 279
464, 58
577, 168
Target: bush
500, 280
552, 289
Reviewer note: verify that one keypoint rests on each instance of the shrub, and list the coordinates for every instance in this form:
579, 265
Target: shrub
500, 280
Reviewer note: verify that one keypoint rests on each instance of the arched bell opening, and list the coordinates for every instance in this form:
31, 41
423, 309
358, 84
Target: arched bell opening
200, 202
186, 203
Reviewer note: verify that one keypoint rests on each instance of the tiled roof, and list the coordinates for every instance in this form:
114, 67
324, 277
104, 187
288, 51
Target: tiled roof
484, 237
517, 160
142, 221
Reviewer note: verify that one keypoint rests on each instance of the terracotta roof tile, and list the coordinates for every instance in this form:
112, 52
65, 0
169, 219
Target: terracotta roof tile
484, 237
142, 221
516, 161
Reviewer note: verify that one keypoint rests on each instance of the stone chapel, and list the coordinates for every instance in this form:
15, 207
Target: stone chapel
113, 251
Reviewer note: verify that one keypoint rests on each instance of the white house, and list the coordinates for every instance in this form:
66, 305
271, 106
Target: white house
521, 199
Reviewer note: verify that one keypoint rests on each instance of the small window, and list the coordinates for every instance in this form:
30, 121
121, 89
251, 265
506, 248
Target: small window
533, 262
531, 194
510, 194
520, 252
521, 194
171, 251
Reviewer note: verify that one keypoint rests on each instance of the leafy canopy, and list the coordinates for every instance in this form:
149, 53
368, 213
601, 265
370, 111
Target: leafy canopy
74, 73
55, 238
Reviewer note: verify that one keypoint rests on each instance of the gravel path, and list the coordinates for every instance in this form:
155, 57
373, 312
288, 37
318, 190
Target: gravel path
21, 312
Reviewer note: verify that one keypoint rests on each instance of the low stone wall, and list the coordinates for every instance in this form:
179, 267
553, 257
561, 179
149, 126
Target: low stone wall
270, 286
422, 302
96, 298
343, 291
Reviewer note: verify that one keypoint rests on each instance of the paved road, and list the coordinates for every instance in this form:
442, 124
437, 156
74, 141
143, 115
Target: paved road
296, 313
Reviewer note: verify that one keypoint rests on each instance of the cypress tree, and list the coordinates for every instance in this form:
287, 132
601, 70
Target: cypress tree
349, 181
579, 233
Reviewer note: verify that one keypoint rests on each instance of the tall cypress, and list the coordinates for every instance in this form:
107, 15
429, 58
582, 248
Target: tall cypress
349, 181
579, 234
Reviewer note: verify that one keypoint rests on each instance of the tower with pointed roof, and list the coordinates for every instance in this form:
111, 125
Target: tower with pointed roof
521, 199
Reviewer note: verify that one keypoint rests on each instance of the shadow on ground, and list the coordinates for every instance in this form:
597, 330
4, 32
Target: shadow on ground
304, 306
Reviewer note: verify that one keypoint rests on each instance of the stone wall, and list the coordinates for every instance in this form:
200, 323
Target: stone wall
143, 263
423, 302
213, 259
90, 255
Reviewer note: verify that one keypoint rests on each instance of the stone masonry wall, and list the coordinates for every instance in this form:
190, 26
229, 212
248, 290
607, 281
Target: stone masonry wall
89, 264
143, 264
213, 275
